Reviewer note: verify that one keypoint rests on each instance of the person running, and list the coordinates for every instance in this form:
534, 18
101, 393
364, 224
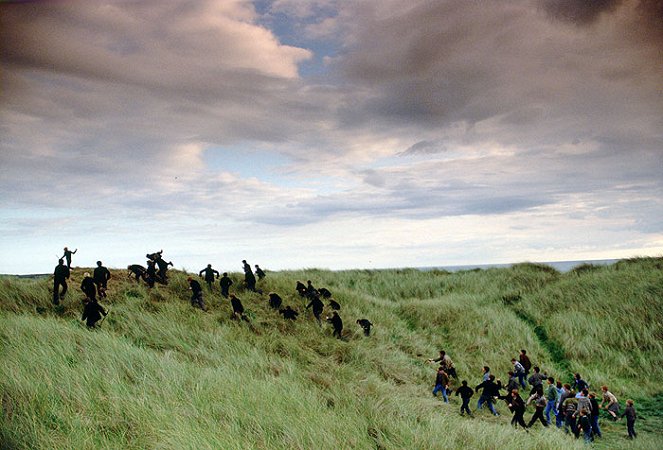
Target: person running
275, 300
301, 289
490, 389
540, 402
519, 371
337, 323
311, 291
162, 274
569, 407
60, 276
551, 396
536, 379
524, 360
101, 275
517, 405
594, 414
511, 385
585, 426
613, 404
88, 287
260, 273
209, 275
196, 294
630, 415
238, 308
225, 282
137, 271
366, 325
317, 307
485, 370
92, 313
249, 278
578, 383
446, 362
441, 384
67, 256
289, 313
151, 274
466, 394
564, 393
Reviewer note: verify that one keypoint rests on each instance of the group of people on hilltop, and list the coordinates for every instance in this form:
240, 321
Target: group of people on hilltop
572, 407
156, 271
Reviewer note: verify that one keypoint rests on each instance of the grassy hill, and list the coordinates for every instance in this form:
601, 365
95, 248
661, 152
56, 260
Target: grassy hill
161, 374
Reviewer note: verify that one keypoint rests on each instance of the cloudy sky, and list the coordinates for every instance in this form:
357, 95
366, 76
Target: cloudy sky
330, 133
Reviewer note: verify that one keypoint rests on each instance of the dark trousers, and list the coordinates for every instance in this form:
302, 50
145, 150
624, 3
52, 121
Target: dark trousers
518, 418
224, 291
538, 414
57, 295
465, 407
570, 422
630, 427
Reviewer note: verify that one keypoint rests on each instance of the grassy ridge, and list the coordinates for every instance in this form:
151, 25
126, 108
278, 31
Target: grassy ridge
162, 374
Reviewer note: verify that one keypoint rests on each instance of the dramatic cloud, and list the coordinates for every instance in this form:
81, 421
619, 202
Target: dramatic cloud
268, 127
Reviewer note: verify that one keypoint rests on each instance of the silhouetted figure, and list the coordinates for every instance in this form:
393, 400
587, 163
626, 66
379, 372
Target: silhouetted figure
92, 313
88, 287
154, 256
209, 275
60, 276
67, 256
238, 308
311, 291
337, 323
289, 313
162, 273
249, 278
317, 307
225, 282
151, 273
196, 294
136, 270
366, 325
101, 275
325, 293
466, 394
301, 289
274, 300
333, 304
260, 273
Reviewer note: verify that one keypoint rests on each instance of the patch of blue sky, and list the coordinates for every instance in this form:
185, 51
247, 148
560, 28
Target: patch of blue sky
290, 30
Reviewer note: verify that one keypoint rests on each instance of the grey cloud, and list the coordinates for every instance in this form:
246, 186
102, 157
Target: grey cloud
423, 148
579, 11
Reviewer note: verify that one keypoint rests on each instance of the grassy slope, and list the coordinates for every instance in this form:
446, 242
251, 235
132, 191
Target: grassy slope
161, 374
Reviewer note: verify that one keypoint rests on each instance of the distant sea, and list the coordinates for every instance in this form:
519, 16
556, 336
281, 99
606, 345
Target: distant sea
562, 266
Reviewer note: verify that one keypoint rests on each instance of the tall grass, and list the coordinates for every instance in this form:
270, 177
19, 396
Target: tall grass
160, 374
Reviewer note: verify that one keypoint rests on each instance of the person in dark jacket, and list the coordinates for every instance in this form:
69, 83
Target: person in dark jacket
150, 275
209, 275
630, 415
490, 389
337, 323
101, 275
60, 276
196, 294
225, 282
137, 271
250, 280
325, 293
88, 287
585, 426
366, 325
593, 413
289, 313
317, 307
92, 313
301, 289
162, 274
441, 384
578, 383
67, 256
238, 308
260, 273
275, 300
466, 394
524, 360
517, 405
333, 304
